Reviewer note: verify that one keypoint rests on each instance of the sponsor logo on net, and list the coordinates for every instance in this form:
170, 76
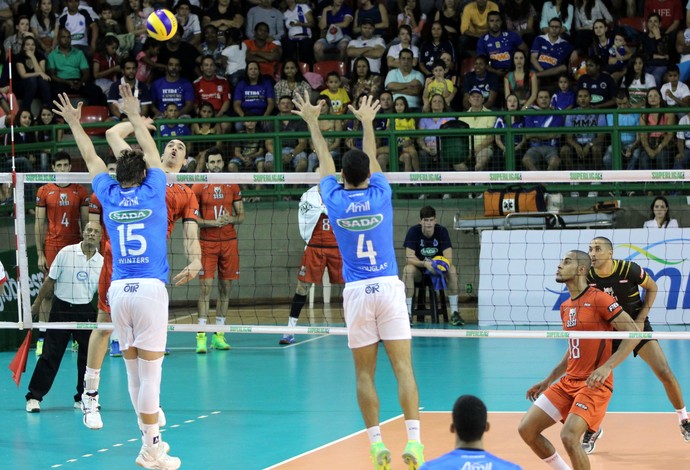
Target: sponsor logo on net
557, 334
195, 178
668, 175
477, 334
586, 175
415, 177
642, 335
48, 178
319, 330
270, 178
505, 176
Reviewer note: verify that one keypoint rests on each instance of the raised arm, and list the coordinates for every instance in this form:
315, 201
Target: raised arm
366, 113
310, 114
71, 115
130, 106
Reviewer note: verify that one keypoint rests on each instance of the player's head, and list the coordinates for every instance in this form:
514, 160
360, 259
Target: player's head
61, 162
91, 235
131, 168
427, 219
600, 251
214, 160
174, 156
469, 419
574, 264
111, 164
355, 167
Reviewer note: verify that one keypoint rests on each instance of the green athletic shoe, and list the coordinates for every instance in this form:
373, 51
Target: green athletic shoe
39, 347
201, 343
218, 342
381, 456
413, 455
75, 346
456, 319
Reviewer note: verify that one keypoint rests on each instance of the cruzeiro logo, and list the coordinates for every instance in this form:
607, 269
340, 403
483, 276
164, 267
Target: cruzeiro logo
126, 217
361, 223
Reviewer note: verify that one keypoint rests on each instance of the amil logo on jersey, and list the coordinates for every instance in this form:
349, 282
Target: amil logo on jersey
361, 223
355, 207
126, 217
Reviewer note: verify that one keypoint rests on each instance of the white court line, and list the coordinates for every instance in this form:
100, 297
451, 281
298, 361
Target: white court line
328, 445
134, 439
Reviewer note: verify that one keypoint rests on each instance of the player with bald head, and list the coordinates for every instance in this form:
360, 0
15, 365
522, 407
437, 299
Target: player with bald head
583, 378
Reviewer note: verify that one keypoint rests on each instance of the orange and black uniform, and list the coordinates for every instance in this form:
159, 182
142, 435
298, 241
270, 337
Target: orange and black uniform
63, 212
592, 310
623, 284
219, 248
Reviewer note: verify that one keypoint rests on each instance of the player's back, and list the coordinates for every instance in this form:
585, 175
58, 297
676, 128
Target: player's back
181, 203
469, 459
362, 220
136, 220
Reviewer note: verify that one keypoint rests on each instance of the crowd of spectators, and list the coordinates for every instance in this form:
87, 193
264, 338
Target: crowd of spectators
243, 58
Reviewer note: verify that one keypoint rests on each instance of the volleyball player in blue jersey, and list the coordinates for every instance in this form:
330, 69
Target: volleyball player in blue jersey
137, 225
361, 212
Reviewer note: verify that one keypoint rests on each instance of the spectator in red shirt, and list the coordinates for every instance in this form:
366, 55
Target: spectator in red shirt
670, 11
212, 88
263, 51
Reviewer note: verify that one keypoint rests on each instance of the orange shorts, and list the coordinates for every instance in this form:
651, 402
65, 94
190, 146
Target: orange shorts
574, 396
221, 255
105, 279
316, 260
50, 253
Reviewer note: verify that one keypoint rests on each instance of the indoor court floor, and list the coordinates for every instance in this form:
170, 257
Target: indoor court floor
261, 405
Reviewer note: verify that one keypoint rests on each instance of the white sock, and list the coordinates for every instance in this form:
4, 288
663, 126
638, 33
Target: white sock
220, 320
413, 429
133, 385
453, 299
92, 379
150, 434
292, 321
374, 434
408, 301
682, 414
556, 462
202, 321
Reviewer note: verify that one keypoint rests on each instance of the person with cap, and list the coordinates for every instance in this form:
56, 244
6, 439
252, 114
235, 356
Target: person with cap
482, 148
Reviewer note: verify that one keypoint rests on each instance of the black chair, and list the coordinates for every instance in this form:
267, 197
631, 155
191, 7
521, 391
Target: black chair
437, 302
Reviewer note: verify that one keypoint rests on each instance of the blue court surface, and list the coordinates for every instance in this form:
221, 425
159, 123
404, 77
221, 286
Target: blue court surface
261, 404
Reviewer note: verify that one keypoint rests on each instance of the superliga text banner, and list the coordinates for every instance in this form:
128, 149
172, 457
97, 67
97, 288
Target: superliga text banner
517, 280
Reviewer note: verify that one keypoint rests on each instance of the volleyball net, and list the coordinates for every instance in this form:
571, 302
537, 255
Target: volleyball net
506, 264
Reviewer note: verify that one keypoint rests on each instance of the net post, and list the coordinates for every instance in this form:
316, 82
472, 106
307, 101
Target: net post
23, 293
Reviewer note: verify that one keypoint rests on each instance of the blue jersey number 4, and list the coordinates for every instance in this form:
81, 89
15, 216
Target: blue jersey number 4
365, 249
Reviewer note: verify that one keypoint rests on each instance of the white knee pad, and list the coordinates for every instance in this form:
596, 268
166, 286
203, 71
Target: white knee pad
133, 385
150, 373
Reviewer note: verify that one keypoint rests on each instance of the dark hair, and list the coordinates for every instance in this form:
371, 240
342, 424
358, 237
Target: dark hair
110, 159
215, 150
404, 100
469, 418
333, 74
353, 72
667, 217
673, 68
60, 155
205, 104
327, 100
622, 94
556, 18
52, 17
605, 241
246, 71
630, 74
493, 13
406, 27
355, 167
427, 212
261, 23
298, 75
149, 43
127, 60
406, 51
130, 167
596, 60
208, 56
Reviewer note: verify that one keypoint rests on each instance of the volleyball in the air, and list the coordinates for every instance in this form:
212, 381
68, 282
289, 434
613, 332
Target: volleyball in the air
161, 25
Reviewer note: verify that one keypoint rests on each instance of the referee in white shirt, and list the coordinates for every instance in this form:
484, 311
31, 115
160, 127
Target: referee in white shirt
73, 280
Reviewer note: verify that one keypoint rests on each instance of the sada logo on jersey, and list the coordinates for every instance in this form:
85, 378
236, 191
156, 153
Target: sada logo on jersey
361, 223
126, 217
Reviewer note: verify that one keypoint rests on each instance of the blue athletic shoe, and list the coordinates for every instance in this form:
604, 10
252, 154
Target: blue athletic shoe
287, 339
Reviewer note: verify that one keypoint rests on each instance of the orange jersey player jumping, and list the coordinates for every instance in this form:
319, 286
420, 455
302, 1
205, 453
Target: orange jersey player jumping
221, 210
583, 378
182, 204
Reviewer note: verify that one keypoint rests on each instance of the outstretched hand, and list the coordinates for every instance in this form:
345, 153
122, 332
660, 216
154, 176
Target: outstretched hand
306, 110
130, 103
64, 108
367, 109
187, 274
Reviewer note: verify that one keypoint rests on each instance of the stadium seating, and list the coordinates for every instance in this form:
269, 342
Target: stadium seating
328, 66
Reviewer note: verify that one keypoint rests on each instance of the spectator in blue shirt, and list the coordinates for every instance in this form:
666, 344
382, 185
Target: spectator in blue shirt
543, 148
583, 151
172, 130
172, 88
499, 46
254, 94
550, 52
630, 141
480, 78
600, 85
